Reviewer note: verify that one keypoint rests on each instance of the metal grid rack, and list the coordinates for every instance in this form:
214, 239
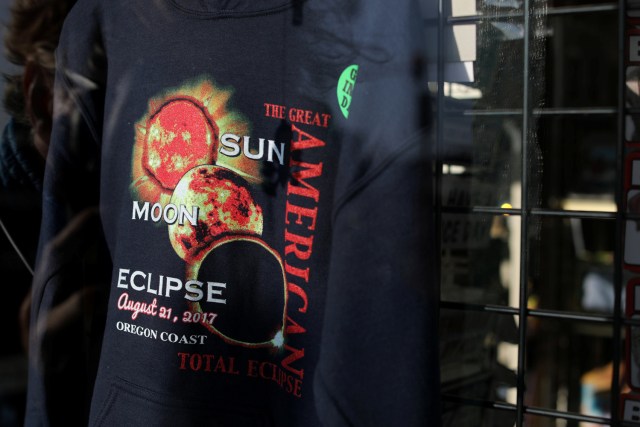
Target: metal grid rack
527, 212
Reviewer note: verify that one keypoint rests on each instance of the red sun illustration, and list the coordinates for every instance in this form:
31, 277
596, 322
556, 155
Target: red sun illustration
225, 206
180, 136
179, 132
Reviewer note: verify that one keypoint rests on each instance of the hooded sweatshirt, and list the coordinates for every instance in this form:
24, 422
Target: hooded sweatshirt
262, 183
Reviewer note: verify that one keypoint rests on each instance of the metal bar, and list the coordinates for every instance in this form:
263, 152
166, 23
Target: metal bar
574, 111
470, 19
503, 406
492, 113
532, 212
526, 110
573, 214
566, 315
587, 111
489, 308
567, 415
439, 119
480, 210
540, 313
619, 245
552, 11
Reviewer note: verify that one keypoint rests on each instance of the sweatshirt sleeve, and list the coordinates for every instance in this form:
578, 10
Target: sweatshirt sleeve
379, 353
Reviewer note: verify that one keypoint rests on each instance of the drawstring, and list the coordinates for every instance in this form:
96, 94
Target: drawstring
16, 248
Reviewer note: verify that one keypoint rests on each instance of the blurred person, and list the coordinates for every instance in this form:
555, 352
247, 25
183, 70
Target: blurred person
60, 350
263, 189
30, 41
31, 36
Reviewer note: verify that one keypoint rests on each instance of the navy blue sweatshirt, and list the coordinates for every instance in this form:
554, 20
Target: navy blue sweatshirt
263, 187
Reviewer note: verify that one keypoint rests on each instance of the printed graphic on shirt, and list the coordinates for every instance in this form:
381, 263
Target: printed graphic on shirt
206, 200
225, 206
182, 129
196, 169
